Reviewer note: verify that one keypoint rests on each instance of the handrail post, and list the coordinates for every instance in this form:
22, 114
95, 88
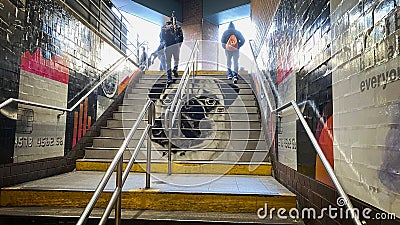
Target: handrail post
180, 119
119, 185
150, 120
170, 143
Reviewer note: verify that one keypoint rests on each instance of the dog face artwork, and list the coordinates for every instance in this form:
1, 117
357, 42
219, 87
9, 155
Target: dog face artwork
204, 129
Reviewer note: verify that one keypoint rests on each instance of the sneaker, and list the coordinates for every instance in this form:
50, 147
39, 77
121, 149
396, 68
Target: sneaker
229, 76
170, 81
175, 72
235, 80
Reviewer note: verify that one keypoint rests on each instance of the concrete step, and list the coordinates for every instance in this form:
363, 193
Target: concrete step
162, 89
228, 156
138, 95
120, 115
177, 192
236, 107
212, 80
69, 215
108, 142
183, 167
109, 153
139, 102
199, 73
198, 77
245, 123
142, 95
225, 103
239, 100
196, 86
112, 123
122, 132
261, 148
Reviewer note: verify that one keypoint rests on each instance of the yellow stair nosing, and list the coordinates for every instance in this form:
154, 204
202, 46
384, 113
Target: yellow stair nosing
149, 200
182, 168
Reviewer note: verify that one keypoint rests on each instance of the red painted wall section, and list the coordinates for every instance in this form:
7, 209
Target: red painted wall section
52, 68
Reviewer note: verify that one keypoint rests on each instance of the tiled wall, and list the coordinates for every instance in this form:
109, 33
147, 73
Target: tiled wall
210, 33
191, 21
339, 61
10, 41
195, 27
295, 55
366, 106
51, 57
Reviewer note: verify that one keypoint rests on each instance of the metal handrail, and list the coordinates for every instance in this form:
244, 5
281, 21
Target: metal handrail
317, 148
324, 160
104, 76
117, 163
185, 77
182, 91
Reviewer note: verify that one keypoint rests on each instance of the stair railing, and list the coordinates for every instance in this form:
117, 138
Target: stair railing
121, 176
106, 73
182, 92
315, 144
103, 77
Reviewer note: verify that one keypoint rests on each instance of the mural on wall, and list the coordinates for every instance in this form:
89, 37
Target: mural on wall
366, 95
297, 58
44, 76
55, 60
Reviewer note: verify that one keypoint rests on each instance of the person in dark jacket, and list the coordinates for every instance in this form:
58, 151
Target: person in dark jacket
232, 40
172, 36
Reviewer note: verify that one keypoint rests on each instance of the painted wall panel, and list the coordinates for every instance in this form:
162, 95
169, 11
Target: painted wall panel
51, 57
366, 101
45, 136
295, 56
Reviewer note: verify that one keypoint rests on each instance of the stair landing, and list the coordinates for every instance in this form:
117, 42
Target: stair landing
178, 192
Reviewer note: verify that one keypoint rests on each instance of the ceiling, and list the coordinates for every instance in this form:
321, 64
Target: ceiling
156, 11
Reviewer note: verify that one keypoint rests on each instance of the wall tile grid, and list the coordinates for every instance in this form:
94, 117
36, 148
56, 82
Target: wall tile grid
195, 27
49, 56
191, 20
10, 41
313, 194
334, 48
366, 100
296, 56
262, 13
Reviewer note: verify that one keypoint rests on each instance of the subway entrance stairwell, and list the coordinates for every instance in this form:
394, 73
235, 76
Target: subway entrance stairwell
208, 158
92, 134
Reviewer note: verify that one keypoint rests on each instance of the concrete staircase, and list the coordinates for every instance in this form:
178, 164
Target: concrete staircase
220, 172
221, 122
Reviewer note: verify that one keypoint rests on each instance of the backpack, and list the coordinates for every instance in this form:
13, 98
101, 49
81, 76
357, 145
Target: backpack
232, 43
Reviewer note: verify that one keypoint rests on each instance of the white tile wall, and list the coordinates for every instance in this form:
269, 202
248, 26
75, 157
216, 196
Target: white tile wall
46, 124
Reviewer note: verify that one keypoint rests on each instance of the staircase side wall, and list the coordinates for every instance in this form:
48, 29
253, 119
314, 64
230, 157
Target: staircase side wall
50, 56
340, 60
